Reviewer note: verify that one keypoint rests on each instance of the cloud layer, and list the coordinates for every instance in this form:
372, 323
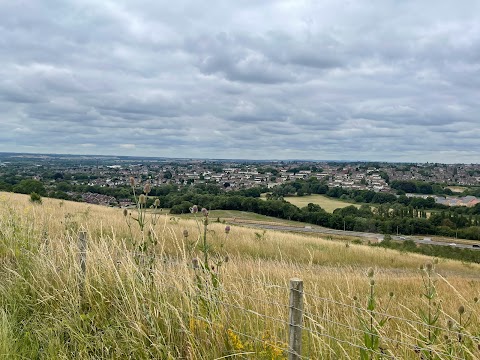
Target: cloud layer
372, 80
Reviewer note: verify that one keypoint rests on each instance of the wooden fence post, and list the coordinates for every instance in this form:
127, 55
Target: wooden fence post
295, 319
82, 247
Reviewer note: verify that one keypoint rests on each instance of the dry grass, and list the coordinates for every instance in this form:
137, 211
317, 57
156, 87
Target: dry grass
457, 189
328, 204
124, 315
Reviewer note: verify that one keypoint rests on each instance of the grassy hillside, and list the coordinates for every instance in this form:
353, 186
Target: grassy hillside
328, 204
160, 304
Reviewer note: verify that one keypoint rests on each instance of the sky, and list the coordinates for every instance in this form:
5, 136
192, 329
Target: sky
380, 80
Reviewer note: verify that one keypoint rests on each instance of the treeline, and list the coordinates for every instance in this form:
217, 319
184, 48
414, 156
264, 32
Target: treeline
315, 186
419, 187
473, 191
385, 218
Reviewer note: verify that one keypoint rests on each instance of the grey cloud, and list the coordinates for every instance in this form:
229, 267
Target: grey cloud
232, 58
381, 80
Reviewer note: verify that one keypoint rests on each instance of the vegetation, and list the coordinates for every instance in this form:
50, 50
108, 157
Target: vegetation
35, 198
173, 312
419, 187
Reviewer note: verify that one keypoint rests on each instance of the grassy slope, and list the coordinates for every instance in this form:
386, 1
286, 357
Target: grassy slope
121, 314
328, 204
457, 189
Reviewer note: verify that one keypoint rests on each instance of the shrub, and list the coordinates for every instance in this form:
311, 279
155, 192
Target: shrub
35, 198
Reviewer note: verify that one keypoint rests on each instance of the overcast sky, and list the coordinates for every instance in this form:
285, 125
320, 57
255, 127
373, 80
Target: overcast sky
394, 80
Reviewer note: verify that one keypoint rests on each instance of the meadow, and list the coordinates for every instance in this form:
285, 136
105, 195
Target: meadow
147, 294
457, 189
326, 203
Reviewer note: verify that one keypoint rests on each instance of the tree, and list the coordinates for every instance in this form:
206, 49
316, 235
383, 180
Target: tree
28, 186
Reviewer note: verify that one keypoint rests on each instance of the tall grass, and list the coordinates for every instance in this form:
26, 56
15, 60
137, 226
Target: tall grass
125, 315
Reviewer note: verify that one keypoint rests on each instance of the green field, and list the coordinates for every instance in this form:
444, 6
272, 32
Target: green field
328, 204
457, 189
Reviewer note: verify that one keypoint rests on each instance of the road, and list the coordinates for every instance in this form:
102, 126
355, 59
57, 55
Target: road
371, 236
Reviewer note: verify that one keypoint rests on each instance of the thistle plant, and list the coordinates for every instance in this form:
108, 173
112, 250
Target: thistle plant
457, 340
145, 248
370, 323
205, 247
206, 272
430, 315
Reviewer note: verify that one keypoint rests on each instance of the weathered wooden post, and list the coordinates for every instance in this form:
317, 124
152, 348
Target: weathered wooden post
82, 247
295, 319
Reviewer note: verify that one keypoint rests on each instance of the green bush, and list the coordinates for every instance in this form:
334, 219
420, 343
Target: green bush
35, 198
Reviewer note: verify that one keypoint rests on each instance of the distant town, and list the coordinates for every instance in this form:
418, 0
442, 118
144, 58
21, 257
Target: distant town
228, 175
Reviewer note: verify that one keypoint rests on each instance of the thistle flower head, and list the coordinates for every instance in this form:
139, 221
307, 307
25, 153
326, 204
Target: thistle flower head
132, 181
429, 266
157, 202
372, 282
355, 298
125, 212
204, 212
475, 299
185, 233
226, 259
195, 263
227, 229
142, 199
461, 309
147, 188
450, 323
391, 294
370, 272
194, 209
